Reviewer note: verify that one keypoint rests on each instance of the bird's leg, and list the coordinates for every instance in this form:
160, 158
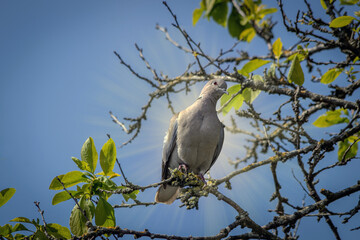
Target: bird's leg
201, 176
183, 168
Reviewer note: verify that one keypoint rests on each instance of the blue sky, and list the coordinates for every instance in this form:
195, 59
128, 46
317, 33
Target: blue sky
58, 80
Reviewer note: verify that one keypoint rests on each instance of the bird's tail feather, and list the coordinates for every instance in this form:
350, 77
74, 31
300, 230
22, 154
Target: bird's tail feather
166, 194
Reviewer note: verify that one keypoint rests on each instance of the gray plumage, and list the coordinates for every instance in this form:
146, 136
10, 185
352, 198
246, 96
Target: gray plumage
195, 138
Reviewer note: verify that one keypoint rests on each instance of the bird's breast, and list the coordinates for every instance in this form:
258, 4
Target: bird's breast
197, 140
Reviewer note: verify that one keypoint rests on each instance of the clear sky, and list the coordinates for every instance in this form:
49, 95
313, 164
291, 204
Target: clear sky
58, 80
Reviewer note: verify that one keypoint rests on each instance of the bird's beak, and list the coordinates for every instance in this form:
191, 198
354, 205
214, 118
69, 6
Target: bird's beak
224, 91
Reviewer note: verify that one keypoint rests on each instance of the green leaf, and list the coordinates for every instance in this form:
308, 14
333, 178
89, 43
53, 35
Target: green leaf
72, 178
296, 74
21, 219
62, 196
104, 214
330, 118
55, 184
252, 66
77, 219
356, 59
58, 231
5, 230
19, 227
209, 6
197, 15
234, 26
266, 11
248, 34
36, 223
126, 196
300, 56
81, 164
235, 103
219, 13
251, 5
107, 183
341, 21
40, 235
131, 195
249, 94
103, 183
108, 157
114, 175
134, 194
20, 236
6, 194
85, 189
323, 4
89, 154
277, 48
348, 2
331, 75
343, 147
90, 208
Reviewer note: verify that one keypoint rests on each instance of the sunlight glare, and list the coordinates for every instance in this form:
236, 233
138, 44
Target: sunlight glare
142, 158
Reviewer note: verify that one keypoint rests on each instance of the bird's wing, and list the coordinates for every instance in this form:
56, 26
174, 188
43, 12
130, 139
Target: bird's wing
218, 147
169, 145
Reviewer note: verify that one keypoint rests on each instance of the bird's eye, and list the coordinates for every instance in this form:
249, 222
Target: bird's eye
215, 83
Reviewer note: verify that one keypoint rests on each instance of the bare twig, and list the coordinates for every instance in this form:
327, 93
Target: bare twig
37, 204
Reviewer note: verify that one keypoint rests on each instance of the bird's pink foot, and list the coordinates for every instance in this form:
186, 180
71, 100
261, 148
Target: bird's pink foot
183, 168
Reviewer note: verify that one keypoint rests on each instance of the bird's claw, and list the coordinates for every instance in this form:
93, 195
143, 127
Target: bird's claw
202, 178
183, 168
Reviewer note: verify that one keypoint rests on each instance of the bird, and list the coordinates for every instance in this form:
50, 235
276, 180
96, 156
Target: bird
194, 139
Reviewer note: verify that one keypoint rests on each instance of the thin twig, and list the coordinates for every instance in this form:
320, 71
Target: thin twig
37, 204
75, 200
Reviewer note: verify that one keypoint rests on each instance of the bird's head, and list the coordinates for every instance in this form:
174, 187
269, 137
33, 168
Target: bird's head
214, 88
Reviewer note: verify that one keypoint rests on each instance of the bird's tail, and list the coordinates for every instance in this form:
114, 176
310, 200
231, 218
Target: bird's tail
166, 194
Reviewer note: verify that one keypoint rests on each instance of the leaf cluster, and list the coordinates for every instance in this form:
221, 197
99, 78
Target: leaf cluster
37, 231
240, 21
99, 186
